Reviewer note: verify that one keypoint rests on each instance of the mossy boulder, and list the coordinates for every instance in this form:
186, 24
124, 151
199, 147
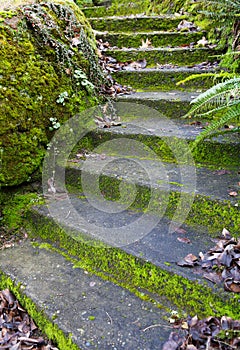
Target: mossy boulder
48, 72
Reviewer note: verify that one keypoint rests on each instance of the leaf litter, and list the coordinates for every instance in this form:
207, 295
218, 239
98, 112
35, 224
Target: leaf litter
220, 264
17, 330
211, 333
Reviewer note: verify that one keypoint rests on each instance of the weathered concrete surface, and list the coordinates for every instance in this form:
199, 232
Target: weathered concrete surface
152, 240
174, 95
171, 104
159, 175
161, 126
98, 314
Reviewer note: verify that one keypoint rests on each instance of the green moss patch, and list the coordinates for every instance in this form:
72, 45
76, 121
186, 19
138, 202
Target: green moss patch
39, 83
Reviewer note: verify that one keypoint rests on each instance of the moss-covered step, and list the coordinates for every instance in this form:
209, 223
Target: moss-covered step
172, 104
146, 265
98, 314
95, 11
157, 38
136, 23
165, 79
157, 132
177, 56
116, 8
198, 196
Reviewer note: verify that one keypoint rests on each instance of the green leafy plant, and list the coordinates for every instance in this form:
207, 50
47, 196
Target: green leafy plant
221, 101
82, 79
55, 124
61, 98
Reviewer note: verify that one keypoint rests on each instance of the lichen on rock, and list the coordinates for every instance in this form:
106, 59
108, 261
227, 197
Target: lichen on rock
48, 72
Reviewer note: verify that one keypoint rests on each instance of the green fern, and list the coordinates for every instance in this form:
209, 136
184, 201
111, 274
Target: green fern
223, 97
215, 76
214, 127
216, 98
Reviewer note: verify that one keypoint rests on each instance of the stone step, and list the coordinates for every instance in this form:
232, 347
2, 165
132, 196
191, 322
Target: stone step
94, 313
137, 253
172, 104
176, 56
147, 125
109, 9
157, 38
96, 11
198, 197
136, 23
165, 79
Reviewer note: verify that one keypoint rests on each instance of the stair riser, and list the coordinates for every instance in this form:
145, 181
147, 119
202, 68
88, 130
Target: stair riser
209, 153
205, 212
135, 24
161, 80
170, 109
114, 10
157, 40
169, 56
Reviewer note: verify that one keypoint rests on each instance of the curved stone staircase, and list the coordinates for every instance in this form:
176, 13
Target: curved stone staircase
120, 294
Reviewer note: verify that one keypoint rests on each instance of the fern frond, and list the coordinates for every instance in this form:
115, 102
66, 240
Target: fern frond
218, 95
215, 76
213, 128
195, 76
227, 4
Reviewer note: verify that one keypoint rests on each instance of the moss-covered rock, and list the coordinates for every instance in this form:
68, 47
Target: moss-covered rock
48, 72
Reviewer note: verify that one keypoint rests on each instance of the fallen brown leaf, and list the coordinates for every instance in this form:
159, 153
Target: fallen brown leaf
184, 240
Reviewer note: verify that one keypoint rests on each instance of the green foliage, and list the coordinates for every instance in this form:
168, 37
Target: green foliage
224, 15
222, 100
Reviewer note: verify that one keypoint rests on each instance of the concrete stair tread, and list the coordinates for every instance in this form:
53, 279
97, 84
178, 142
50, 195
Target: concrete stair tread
174, 95
157, 38
136, 22
153, 32
187, 56
162, 127
171, 104
153, 243
161, 175
159, 49
176, 69
164, 78
142, 16
70, 296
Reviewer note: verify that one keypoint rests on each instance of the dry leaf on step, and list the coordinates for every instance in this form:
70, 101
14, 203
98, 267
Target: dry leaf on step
202, 42
146, 44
